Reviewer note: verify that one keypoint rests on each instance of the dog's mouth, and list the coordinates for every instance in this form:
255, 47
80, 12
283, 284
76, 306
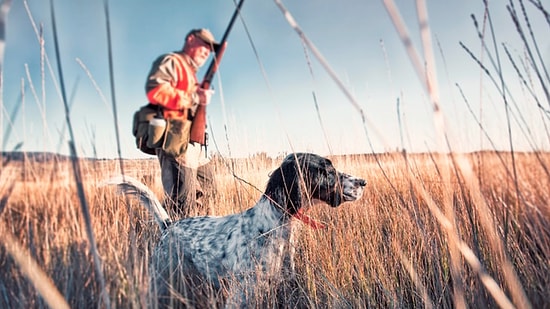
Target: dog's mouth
354, 194
348, 189
353, 190
348, 197
337, 198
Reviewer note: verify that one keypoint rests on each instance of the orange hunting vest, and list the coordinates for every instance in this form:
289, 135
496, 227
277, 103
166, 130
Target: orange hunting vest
176, 96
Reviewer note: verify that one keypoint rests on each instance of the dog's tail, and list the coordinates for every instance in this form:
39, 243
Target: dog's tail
132, 186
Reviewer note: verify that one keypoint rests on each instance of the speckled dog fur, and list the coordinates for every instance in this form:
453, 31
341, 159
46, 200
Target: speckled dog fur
250, 246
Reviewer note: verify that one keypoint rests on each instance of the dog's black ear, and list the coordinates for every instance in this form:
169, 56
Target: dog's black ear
314, 170
321, 179
284, 186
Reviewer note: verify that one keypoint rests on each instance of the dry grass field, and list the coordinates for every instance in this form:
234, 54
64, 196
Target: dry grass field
431, 231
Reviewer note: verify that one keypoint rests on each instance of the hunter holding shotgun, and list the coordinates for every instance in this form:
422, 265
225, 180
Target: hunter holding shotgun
173, 88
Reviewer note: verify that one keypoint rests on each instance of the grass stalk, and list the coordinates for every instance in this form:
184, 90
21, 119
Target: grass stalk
32, 271
76, 168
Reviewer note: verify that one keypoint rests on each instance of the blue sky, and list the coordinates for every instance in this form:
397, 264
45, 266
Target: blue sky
264, 102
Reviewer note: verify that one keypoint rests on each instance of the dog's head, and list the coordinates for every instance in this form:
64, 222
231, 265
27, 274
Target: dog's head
317, 175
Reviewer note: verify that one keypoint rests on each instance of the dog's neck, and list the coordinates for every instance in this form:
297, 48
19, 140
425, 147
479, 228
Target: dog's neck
307, 220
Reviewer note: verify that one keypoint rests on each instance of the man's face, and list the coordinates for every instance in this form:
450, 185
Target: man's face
198, 49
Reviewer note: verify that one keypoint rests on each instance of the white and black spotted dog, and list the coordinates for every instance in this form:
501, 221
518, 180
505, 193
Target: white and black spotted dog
253, 246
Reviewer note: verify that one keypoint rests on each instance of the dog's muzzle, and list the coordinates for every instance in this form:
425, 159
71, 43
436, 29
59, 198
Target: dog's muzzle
352, 187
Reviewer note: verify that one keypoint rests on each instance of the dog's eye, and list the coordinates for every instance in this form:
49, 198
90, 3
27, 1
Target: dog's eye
330, 175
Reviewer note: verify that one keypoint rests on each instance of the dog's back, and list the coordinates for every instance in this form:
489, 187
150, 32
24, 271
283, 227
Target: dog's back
225, 246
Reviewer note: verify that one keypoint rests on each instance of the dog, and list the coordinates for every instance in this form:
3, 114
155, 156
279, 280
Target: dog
253, 247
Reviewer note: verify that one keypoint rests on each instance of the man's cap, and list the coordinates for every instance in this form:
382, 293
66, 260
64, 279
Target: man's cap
205, 35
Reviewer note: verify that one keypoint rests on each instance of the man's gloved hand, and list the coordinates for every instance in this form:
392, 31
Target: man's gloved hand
204, 95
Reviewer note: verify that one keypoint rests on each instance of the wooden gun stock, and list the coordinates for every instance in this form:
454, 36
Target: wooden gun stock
198, 127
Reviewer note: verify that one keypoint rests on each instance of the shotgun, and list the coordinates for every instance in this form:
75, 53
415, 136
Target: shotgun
198, 127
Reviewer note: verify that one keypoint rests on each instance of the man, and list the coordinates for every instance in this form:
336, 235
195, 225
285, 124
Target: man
172, 85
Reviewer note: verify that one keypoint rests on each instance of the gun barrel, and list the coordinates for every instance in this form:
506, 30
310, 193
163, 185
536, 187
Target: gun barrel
198, 127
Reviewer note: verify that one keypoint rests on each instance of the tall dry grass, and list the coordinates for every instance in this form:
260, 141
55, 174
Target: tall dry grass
387, 250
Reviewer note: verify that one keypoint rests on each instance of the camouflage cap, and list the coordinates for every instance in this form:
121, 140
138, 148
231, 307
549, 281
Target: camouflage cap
205, 35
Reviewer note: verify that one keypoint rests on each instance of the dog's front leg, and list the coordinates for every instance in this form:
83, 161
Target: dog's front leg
240, 293
289, 263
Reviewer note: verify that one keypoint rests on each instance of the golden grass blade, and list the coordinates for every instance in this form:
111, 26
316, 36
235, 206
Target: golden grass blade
292, 22
426, 36
490, 284
401, 28
32, 271
76, 165
428, 77
4, 10
495, 241
408, 265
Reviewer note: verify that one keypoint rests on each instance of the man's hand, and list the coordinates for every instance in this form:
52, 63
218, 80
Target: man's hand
204, 95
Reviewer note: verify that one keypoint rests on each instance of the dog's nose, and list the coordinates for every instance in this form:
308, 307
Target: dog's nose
361, 182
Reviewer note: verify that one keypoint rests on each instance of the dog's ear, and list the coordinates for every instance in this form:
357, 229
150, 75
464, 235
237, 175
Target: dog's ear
314, 170
284, 186
321, 179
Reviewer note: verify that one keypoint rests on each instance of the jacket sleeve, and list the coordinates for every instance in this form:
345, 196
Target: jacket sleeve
161, 85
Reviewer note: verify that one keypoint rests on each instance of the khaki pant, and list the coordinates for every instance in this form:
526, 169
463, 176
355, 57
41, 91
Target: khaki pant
184, 186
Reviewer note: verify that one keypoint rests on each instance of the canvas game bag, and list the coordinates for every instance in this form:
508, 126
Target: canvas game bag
140, 127
177, 136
